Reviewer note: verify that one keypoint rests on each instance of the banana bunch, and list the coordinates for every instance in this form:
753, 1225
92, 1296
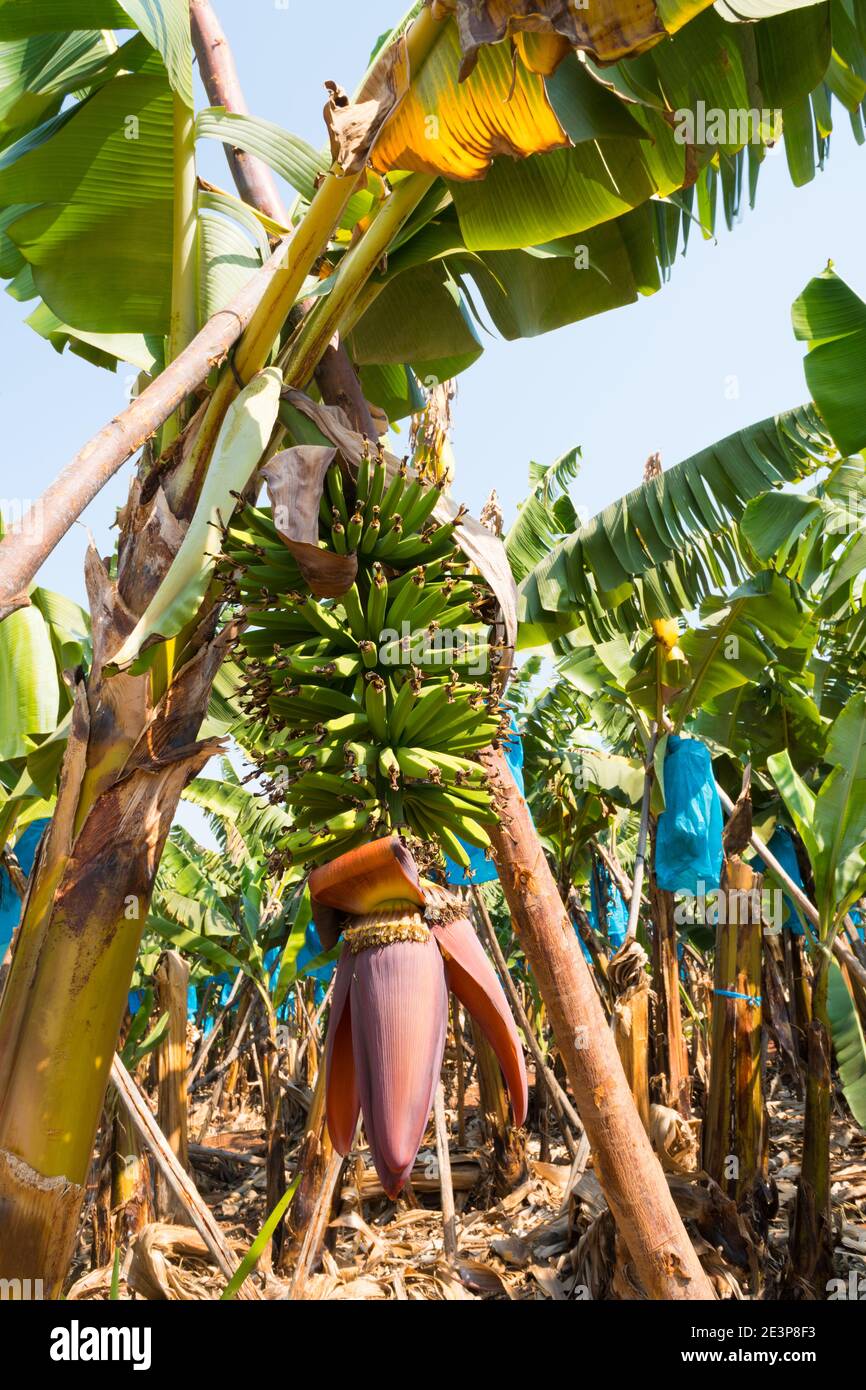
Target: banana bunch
364, 712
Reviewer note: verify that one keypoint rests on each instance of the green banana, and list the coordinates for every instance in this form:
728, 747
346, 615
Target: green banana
376, 707
352, 607
401, 710
362, 484
371, 534
369, 653
389, 767
338, 667
377, 601
394, 493
415, 517
338, 535
354, 531
418, 764
337, 492
428, 706
360, 755
377, 484
324, 621
400, 607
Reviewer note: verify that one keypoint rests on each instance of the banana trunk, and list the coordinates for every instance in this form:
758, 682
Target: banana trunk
632, 1178
172, 982
810, 1251
734, 1122
671, 1058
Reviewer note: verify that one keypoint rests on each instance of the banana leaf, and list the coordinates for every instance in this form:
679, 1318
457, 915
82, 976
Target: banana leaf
848, 1042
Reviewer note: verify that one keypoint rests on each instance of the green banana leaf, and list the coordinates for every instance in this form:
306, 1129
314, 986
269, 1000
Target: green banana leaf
848, 1042
253, 817
164, 23
666, 545
831, 823
544, 515
29, 684
831, 318
97, 194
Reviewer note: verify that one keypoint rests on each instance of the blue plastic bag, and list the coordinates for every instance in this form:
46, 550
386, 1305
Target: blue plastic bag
481, 869
781, 846
688, 851
615, 911
10, 903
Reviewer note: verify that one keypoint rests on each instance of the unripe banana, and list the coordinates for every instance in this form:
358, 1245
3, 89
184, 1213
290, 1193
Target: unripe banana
337, 492
354, 611
390, 767
404, 604
428, 706
401, 710
378, 473
354, 531
371, 535
376, 707
377, 601
393, 495
415, 517
362, 485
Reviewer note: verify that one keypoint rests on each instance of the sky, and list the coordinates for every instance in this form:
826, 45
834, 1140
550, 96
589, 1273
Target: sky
711, 352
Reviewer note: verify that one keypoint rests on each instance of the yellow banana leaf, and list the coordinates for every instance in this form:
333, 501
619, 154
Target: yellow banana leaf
444, 126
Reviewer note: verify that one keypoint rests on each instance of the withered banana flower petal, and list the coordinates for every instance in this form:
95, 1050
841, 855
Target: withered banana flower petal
474, 981
342, 1102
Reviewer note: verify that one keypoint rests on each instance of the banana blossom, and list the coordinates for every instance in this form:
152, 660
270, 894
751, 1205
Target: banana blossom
406, 945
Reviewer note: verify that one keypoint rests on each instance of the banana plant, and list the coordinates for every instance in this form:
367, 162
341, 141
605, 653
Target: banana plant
830, 821
592, 155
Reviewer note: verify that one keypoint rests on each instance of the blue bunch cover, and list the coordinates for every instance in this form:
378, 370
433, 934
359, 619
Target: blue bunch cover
481, 869
688, 851
10, 903
781, 846
616, 911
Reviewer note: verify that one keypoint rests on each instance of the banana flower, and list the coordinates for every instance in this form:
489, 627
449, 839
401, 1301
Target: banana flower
406, 944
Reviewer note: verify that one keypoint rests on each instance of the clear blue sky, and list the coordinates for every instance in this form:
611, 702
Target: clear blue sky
656, 375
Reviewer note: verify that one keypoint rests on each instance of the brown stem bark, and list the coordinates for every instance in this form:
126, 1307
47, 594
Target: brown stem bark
630, 1174
630, 984
735, 1118
308, 1215
182, 1185
172, 983
671, 1059
446, 1186
810, 1251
